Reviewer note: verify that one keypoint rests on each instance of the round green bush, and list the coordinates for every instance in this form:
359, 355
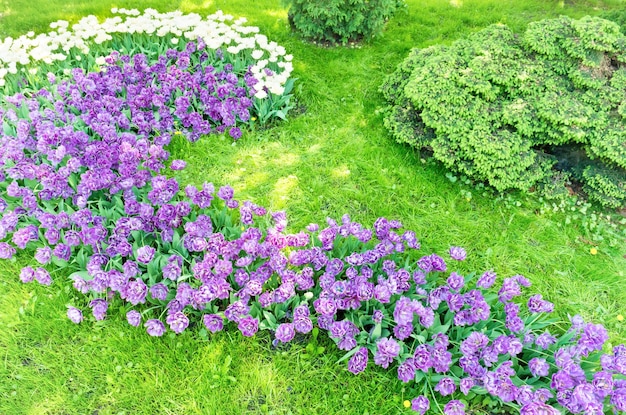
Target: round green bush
521, 111
340, 21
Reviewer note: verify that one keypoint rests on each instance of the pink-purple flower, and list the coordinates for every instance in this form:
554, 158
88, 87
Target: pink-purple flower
135, 291
43, 276
538, 366
74, 314
387, 350
406, 370
285, 332
457, 253
159, 291
177, 321
6, 251
134, 318
302, 325
446, 386
155, 327
145, 254
536, 304
358, 361
27, 274
213, 322
248, 326
420, 404
178, 164
99, 308
454, 407
539, 408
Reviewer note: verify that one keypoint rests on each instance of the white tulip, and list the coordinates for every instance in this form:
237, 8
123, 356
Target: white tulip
261, 40
214, 30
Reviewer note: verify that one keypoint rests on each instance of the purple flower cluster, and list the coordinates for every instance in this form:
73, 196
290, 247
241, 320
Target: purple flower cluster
97, 140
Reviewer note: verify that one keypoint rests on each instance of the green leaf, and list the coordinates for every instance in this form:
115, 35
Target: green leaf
269, 317
203, 333
8, 129
421, 339
59, 262
419, 375
376, 332
348, 355
81, 274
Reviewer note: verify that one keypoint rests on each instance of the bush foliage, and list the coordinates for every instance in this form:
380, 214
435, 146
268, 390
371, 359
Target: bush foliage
501, 107
340, 21
617, 16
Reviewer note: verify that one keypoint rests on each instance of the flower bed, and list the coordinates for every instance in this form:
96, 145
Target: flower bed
26, 61
84, 171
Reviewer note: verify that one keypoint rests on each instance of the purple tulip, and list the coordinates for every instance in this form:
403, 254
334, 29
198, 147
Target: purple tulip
213, 322
145, 254
248, 326
457, 253
421, 404
285, 332
74, 314
134, 318
155, 327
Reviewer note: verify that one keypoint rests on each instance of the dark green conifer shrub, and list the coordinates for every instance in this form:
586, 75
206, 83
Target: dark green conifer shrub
340, 21
500, 107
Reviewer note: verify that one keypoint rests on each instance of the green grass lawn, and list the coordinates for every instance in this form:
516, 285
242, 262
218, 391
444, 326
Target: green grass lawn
333, 158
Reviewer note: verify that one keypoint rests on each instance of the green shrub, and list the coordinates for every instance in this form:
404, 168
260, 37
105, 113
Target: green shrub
617, 16
498, 106
605, 186
340, 21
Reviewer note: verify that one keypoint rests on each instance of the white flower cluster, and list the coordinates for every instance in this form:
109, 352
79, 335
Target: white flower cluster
215, 31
